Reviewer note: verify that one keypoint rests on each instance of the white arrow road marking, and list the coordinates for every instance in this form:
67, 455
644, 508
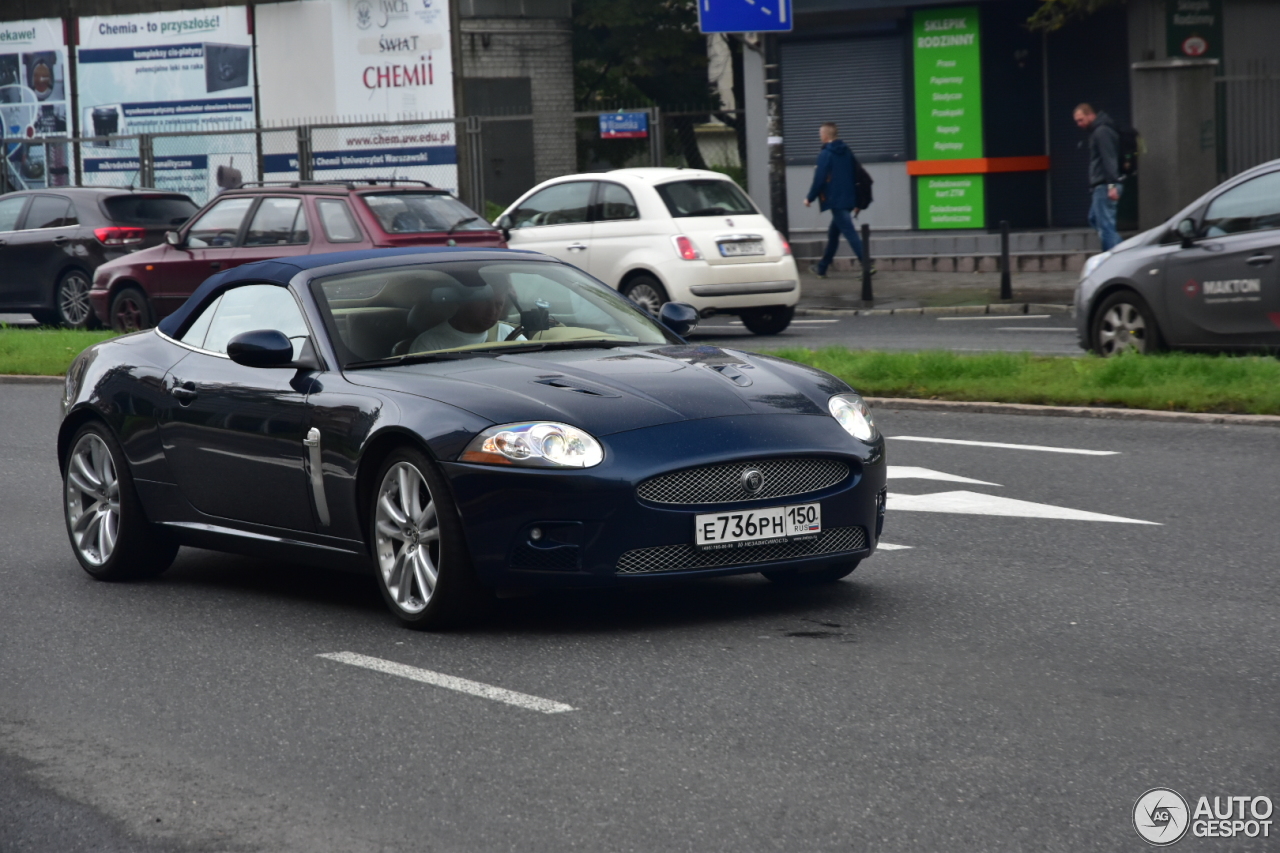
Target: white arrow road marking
450, 682
1006, 446
973, 503
885, 546
909, 472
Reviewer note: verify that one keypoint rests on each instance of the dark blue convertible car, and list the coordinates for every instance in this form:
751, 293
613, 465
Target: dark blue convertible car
459, 422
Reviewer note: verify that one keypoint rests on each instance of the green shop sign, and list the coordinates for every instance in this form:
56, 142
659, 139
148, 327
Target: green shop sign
951, 201
1194, 29
948, 84
948, 94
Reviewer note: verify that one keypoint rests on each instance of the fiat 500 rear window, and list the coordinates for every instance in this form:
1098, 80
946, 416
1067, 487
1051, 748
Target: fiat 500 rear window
708, 197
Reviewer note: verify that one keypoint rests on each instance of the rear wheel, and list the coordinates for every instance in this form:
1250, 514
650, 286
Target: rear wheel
769, 320
1124, 322
420, 559
109, 532
798, 577
130, 310
647, 292
71, 301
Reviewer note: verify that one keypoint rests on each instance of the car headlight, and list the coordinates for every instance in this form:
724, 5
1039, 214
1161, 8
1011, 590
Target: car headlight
1092, 264
854, 415
536, 444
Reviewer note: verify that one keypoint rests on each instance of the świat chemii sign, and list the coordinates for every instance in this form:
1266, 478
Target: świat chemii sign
948, 95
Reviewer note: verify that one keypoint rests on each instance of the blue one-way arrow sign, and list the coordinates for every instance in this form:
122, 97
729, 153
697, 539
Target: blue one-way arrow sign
744, 16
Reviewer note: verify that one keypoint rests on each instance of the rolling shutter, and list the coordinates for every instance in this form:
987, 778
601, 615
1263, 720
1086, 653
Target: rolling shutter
856, 82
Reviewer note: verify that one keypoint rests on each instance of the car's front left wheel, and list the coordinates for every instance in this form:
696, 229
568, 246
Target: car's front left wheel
420, 558
109, 532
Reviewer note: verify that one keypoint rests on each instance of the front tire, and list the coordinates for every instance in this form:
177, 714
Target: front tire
768, 321
419, 556
797, 577
71, 301
130, 310
647, 292
1122, 323
108, 529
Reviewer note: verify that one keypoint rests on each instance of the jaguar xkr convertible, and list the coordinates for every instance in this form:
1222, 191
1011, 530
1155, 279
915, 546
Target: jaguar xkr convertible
459, 423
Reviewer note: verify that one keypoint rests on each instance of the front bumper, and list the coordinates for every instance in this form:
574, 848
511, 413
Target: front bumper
596, 531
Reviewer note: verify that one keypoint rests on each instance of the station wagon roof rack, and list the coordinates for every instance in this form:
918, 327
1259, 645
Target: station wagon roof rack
350, 184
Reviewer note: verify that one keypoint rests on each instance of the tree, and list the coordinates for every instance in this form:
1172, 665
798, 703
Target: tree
1055, 14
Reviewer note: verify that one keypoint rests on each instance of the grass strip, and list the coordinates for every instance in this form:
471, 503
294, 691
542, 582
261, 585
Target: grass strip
43, 351
1183, 382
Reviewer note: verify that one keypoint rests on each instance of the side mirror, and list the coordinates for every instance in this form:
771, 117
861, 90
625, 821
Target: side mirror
173, 238
261, 348
679, 317
1187, 231
504, 225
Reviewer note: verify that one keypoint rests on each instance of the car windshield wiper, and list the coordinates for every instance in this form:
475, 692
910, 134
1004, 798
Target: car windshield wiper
416, 358
463, 221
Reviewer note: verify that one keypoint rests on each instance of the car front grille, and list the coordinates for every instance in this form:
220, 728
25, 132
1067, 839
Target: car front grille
723, 483
676, 558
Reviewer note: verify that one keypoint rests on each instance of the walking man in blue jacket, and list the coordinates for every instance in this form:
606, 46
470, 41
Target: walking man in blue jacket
836, 191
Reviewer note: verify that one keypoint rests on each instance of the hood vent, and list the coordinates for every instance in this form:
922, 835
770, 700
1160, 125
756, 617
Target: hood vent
575, 386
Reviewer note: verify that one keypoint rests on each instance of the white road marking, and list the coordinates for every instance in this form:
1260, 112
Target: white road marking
1006, 446
909, 472
886, 546
451, 682
1005, 317
972, 503
1036, 329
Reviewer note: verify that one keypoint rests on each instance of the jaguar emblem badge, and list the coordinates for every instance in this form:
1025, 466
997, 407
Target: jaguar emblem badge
752, 481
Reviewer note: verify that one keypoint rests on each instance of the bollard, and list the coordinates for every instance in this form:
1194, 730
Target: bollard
1006, 277
866, 266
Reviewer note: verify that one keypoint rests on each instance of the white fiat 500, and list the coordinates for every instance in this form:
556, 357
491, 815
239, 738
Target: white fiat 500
664, 235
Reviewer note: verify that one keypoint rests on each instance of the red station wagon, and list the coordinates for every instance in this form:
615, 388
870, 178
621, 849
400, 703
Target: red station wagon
265, 220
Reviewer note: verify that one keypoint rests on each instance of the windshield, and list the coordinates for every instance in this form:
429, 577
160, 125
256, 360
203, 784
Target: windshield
416, 311
708, 197
415, 213
149, 209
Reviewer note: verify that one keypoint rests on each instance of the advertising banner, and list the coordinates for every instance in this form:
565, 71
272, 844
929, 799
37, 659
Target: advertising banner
160, 72
390, 61
33, 102
947, 58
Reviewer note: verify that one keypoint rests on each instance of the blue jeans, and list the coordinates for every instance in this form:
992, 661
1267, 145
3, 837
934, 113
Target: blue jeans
1102, 217
841, 223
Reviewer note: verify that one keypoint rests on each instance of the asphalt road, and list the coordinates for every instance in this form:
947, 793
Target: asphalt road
1042, 334
1007, 682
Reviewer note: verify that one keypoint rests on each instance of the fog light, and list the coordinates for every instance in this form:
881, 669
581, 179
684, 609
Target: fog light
535, 534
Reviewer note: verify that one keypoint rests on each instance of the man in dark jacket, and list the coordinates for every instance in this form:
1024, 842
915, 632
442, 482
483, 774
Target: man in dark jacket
1104, 172
834, 187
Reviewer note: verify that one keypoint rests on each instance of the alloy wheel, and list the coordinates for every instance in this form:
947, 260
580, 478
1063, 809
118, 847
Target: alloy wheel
128, 314
1121, 328
407, 538
73, 299
646, 297
93, 500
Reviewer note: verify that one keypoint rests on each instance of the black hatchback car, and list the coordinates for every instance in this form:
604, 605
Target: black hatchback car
52, 241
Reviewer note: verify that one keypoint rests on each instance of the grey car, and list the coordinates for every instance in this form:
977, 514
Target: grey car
1209, 278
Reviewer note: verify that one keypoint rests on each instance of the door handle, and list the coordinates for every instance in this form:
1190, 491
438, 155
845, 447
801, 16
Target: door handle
217, 265
577, 247
1259, 260
185, 393
59, 240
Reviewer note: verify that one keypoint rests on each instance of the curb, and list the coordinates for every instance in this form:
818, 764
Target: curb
19, 379
1003, 308
1100, 412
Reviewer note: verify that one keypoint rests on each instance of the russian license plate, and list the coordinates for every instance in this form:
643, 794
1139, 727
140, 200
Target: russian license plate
716, 530
741, 248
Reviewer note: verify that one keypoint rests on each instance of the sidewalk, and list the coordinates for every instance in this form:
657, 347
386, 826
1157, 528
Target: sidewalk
901, 289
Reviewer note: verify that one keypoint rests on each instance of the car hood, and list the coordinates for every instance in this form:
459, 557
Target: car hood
613, 390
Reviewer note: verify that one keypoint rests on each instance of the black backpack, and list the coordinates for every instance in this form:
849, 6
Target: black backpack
1127, 150
862, 185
